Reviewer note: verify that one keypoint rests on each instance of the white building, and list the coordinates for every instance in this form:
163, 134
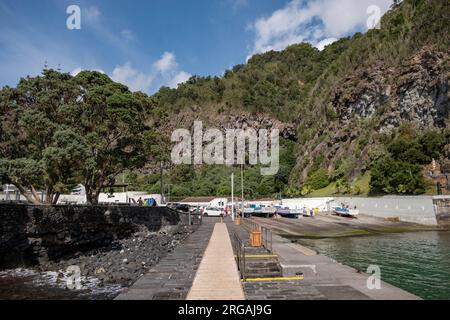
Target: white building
130, 197
323, 204
207, 202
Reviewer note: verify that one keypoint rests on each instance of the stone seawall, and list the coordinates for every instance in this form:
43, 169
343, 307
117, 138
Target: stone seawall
442, 209
31, 235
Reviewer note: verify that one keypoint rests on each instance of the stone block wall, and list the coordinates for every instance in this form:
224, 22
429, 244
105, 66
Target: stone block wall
32, 234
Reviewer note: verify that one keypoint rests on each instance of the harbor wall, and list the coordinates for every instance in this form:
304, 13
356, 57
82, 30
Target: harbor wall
31, 235
409, 209
442, 208
415, 209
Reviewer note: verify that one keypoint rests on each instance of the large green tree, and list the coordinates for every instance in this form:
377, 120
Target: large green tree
36, 146
58, 131
112, 121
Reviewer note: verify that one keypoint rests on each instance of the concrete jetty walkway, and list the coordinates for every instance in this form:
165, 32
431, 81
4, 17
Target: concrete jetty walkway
204, 268
172, 277
217, 277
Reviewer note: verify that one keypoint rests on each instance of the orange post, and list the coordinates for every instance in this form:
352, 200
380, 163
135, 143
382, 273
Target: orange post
256, 239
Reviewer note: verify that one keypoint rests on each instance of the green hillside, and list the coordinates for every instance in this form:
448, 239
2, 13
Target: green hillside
346, 101
363, 116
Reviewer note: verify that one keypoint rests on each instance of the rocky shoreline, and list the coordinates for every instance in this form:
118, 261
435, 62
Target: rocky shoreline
105, 271
124, 261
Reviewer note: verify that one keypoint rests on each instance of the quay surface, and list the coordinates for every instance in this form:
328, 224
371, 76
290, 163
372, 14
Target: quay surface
201, 263
324, 278
331, 226
217, 277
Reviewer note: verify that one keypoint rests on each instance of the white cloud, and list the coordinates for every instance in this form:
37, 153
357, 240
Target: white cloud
166, 63
135, 80
164, 72
342, 17
76, 71
179, 78
128, 35
315, 21
282, 27
91, 13
325, 42
167, 67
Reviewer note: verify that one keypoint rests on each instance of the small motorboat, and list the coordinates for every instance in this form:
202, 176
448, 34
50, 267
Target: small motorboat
262, 211
345, 212
288, 213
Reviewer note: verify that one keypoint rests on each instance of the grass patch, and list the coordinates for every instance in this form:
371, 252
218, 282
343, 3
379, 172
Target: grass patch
362, 184
328, 191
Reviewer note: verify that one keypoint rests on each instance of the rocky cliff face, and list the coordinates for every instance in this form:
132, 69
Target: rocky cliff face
377, 100
417, 91
213, 119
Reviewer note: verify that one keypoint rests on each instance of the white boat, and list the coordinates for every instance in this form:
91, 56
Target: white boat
345, 212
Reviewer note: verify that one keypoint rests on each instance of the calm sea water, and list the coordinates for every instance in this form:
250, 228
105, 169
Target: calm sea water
416, 262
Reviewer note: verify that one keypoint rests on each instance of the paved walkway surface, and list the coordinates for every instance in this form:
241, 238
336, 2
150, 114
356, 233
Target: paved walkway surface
324, 278
204, 268
332, 280
217, 277
172, 277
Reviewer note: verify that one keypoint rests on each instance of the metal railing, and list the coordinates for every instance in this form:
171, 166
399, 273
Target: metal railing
239, 249
267, 238
190, 218
250, 225
266, 233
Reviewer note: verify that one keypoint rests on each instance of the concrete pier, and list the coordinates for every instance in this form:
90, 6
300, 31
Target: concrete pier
204, 268
172, 277
324, 278
217, 277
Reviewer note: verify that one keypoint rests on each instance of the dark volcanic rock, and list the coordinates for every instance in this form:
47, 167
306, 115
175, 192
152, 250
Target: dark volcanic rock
124, 261
31, 235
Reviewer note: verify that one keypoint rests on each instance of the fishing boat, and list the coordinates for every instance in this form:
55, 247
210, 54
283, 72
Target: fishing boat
248, 212
262, 211
288, 213
345, 212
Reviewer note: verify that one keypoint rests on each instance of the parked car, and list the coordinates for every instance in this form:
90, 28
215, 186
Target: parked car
212, 212
183, 208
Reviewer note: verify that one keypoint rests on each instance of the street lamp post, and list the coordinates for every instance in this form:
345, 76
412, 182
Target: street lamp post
242, 190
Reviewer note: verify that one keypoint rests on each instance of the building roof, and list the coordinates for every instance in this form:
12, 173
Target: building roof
202, 199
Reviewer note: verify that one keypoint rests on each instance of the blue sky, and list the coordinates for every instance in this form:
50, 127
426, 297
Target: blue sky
149, 43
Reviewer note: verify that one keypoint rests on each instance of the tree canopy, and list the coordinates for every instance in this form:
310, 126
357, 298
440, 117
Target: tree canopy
58, 131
